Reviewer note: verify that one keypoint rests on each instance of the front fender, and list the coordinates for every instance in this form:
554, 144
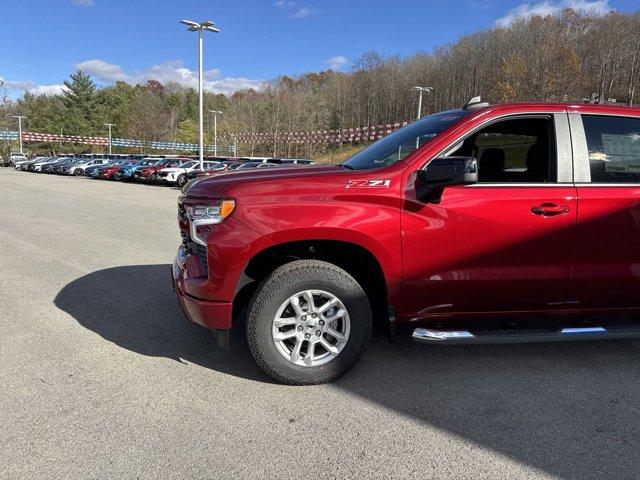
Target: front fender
372, 226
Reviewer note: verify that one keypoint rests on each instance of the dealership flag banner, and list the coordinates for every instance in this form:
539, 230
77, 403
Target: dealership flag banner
332, 137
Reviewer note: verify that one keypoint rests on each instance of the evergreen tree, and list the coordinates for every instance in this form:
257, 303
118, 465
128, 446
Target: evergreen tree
80, 105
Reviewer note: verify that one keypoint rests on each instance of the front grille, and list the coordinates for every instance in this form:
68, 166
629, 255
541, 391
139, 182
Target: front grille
193, 248
182, 212
202, 254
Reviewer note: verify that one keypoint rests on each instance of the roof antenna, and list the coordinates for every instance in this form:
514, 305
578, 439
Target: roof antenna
475, 103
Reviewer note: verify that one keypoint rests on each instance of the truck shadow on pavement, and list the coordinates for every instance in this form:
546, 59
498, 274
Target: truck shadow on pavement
135, 308
570, 410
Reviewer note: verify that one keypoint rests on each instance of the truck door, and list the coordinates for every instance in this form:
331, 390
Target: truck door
506, 243
607, 172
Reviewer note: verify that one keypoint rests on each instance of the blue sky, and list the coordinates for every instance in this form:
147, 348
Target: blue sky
134, 40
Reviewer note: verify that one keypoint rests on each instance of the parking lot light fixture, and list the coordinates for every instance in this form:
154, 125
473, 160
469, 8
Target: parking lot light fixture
199, 27
421, 89
215, 130
110, 125
20, 118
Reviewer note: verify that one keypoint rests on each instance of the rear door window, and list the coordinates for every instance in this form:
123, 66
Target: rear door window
613, 144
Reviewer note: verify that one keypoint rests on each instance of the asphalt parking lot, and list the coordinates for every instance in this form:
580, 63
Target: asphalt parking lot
103, 378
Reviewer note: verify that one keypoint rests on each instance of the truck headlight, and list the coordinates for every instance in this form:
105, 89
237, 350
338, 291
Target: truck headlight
200, 215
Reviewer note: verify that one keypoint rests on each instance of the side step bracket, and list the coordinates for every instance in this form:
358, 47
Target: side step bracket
465, 337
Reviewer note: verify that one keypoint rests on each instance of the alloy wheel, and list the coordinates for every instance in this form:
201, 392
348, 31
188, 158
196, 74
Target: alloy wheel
311, 328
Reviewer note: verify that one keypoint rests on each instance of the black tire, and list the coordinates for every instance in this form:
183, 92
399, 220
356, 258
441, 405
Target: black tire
154, 178
286, 281
78, 172
181, 181
117, 176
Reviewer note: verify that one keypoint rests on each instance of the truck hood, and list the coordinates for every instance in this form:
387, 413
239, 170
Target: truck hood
215, 186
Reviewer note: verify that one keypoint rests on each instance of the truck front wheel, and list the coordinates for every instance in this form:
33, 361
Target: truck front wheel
308, 323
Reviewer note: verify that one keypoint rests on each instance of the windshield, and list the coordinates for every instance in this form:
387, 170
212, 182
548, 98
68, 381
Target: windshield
188, 164
214, 166
247, 165
402, 142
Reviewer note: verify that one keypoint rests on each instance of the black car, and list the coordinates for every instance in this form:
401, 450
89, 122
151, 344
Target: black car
60, 166
50, 167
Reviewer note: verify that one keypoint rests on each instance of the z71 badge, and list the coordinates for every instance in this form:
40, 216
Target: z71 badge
368, 183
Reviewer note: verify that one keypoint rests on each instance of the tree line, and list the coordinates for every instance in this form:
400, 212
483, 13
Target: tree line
570, 57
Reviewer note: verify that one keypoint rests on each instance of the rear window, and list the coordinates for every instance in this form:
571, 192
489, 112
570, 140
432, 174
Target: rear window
614, 148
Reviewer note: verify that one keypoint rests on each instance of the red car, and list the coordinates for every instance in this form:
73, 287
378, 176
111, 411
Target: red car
505, 223
149, 173
106, 173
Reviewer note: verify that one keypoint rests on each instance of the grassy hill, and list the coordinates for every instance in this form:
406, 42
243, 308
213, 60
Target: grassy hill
338, 156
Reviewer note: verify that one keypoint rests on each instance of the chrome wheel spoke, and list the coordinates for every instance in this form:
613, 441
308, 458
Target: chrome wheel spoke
337, 315
308, 359
295, 351
309, 299
280, 336
281, 322
331, 303
330, 348
295, 303
337, 335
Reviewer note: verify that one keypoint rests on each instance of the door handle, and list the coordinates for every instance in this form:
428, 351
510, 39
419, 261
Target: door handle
549, 209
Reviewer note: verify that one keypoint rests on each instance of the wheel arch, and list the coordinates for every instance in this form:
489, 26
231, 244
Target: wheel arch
357, 260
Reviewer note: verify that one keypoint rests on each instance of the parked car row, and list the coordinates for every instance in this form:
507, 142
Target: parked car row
167, 170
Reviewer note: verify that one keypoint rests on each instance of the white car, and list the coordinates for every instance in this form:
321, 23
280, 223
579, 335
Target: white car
37, 166
17, 163
78, 168
17, 158
175, 175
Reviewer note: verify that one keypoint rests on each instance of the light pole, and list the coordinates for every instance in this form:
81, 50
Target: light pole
215, 130
110, 125
60, 139
199, 27
421, 89
20, 117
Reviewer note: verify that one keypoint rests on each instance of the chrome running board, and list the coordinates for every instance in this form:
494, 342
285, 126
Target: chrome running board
465, 337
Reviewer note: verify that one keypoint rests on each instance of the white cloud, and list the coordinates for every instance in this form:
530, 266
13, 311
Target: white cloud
284, 3
102, 70
306, 12
168, 72
48, 89
337, 62
548, 7
29, 86
83, 3
17, 84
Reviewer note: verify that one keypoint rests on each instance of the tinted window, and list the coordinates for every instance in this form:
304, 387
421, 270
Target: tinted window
519, 150
614, 148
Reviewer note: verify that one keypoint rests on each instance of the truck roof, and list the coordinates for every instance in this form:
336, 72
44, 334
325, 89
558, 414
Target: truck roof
570, 106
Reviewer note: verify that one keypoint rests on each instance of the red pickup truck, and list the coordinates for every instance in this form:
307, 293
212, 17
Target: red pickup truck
503, 223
